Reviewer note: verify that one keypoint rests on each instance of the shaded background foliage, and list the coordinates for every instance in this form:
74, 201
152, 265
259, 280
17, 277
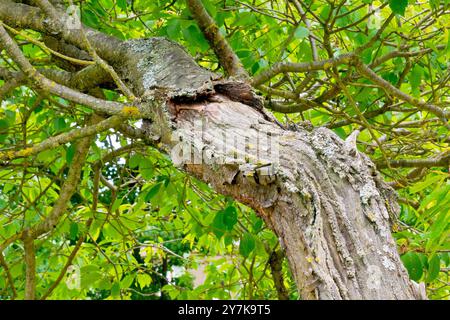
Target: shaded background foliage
151, 225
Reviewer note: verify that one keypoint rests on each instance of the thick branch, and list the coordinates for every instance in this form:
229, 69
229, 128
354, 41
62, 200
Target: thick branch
108, 107
276, 267
24, 16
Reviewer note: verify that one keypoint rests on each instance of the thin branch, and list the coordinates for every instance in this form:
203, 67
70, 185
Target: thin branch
366, 72
8, 276
44, 47
63, 138
110, 70
227, 58
441, 161
80, 239
306, 21
284, 67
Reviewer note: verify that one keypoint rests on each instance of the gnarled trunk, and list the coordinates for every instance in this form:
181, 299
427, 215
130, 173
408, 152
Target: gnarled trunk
322, 197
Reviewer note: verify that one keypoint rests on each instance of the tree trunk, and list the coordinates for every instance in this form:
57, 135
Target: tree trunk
324, 199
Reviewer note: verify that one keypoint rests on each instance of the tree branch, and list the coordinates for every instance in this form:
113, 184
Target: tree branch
99, 105
24, 16
30, 266
366, 72
67, 189
63, 138
8, 275
284, 67
276, 267
227, 58
443, 160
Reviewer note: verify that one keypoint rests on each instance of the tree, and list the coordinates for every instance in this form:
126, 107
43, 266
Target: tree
363, 67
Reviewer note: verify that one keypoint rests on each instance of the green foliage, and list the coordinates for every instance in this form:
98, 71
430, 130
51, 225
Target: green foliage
398, 6
158, 227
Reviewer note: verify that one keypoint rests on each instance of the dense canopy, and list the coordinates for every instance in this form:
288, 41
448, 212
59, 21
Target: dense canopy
91, 207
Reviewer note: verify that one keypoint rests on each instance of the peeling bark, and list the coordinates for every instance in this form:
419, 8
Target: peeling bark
325, 201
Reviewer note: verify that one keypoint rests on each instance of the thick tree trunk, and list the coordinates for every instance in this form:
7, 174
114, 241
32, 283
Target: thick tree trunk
323, 199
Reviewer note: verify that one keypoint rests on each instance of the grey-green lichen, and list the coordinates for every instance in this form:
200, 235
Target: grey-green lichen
368, 191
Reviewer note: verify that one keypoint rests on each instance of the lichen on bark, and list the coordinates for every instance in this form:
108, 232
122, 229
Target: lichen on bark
325, 201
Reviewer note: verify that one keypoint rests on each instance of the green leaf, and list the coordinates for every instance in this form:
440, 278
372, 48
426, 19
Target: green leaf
135, 160
429, 181
144, 280
4, 124
211, 8
70, 152
439, 194
257, 226
438, 230
448, 42
413, 264
3, 204
434, 265
89, 17
218, 226
398, 6
116, 204
230, 217
146, 169
247, 244
173, 28
153, 191
115, 289
193, 35
3, 138
415, 78
89, 275
103, 284
228, 240
127, 281
445, 257
73, 233
301, 33
59, 124
122, 4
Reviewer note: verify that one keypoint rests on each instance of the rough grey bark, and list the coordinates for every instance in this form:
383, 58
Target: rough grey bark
324, 199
